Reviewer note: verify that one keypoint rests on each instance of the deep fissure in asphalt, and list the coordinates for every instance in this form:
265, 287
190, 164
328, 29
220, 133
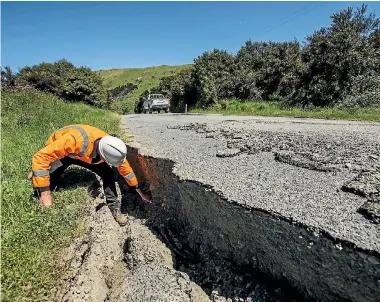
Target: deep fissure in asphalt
218, 275
232, 251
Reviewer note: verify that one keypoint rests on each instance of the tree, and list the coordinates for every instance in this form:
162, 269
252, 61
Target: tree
8, 78
180, 88
266, 68
336, 56
213, 75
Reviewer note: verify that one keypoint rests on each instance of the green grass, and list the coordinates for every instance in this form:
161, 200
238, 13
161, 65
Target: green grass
274, 109
150, 77
33, 238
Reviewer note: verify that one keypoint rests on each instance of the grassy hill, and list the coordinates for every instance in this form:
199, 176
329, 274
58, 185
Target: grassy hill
33, 238
150, 77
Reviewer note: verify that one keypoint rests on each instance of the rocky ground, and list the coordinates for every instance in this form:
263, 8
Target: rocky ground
120, 264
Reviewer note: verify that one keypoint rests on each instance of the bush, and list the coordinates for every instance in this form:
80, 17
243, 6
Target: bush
337, 54
223, 104
84, 85
63, 79
365, 93
8, 78
266, 68
123, 106
275, 97
45, 76
180, 88
213, 76
335, 66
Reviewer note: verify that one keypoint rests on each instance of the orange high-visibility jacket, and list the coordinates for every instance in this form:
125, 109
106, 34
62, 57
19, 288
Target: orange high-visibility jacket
75, 141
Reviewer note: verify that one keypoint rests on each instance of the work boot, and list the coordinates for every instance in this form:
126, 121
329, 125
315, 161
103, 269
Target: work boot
120, 218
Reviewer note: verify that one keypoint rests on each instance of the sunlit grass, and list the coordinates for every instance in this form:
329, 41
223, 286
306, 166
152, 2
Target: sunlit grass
33, 238
275, 109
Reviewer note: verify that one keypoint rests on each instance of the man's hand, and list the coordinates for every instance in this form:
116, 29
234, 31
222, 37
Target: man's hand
144, 196
46, 200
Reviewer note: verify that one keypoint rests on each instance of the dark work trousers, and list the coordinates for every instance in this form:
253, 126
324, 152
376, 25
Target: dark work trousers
105, 172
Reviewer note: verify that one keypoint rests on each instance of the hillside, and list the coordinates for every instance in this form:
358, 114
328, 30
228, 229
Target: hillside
150, 76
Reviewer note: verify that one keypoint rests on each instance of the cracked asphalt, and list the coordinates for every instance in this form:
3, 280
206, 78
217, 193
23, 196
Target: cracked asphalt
293, 168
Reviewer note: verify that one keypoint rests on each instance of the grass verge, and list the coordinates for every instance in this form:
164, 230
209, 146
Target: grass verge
275, 109
33, 238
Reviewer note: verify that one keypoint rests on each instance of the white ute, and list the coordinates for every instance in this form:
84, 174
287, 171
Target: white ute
156, 102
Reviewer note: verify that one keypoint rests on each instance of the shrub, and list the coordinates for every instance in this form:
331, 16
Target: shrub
63, 79
338, 64
8, 78
337, 54
45, 76
365, 92
84, 85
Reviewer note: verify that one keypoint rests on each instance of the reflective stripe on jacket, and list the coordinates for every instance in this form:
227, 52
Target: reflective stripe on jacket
75, 141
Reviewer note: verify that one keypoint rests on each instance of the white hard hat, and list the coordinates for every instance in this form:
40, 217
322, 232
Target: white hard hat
113, 150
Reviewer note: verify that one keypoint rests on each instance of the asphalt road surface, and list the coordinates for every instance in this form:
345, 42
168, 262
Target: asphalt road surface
293, 168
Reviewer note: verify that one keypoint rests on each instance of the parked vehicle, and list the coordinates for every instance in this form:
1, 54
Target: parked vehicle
156, 102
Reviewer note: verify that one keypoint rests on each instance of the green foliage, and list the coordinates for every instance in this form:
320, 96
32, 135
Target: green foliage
337, 55
338, 65
45, 76
33, 238
8, 78
271, 68
365, 92
63, 79
179, 88
260, 108
213, 76
123, 106
84, 85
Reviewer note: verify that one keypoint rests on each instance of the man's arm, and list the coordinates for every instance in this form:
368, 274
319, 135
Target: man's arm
127, 172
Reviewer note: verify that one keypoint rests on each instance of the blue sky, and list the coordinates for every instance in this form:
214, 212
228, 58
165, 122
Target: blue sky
103, 35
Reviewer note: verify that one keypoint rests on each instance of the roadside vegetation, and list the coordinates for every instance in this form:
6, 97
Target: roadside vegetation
63, 79
235, 107
334, 73
32, 238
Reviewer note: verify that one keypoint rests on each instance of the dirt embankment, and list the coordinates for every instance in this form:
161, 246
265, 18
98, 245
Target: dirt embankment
113, 263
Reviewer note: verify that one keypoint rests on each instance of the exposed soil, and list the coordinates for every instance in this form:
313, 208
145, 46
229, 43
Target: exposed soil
113, 263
